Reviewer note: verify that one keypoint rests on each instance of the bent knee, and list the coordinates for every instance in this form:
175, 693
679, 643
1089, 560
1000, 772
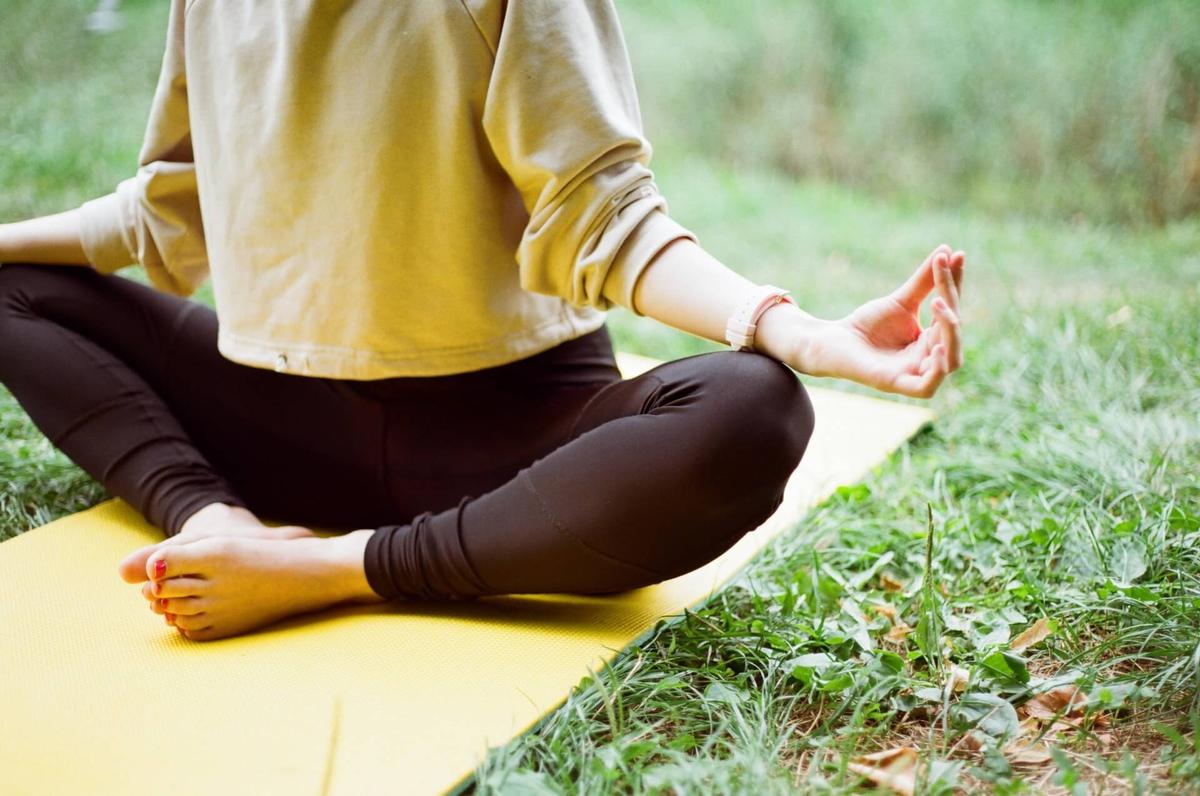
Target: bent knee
765, 409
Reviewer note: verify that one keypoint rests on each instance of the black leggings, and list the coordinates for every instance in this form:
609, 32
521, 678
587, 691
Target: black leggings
549, 474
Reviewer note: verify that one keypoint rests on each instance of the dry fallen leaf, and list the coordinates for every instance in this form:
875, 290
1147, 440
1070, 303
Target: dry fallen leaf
1029, 726
971, 741
958, 678
1065, 708
891, 768
884, 609
889, 582
1064, 702
1062, 725
898, 632
1038, 631
1024, 753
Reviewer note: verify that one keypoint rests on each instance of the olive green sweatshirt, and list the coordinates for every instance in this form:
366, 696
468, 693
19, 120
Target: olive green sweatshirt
388, 188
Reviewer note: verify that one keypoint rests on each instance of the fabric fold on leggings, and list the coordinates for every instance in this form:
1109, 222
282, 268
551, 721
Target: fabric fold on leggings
422, 560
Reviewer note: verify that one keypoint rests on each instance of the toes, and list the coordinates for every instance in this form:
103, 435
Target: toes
191, 559
133, 566
174, 587
194, 622
207, 634
179, 606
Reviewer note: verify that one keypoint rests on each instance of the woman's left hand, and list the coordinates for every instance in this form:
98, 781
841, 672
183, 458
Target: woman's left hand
882, 343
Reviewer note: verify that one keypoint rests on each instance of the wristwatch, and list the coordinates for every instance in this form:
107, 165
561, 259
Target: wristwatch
742, 325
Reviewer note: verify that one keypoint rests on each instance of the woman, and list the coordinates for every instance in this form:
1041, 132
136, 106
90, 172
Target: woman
357, 179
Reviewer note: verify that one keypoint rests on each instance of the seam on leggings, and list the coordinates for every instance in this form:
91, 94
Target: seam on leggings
70, 336
86, 417
168, 341
525, 479
124, 456
172, 335
458, 527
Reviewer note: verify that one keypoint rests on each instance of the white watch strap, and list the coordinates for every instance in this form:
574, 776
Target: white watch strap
742, 325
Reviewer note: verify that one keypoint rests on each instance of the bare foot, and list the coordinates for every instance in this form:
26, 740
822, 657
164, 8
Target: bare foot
217, 587
215, 519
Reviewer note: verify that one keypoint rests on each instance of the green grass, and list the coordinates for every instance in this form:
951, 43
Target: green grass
1061, 475
1087, 107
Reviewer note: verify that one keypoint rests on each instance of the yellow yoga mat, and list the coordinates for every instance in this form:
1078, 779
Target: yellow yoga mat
98, 696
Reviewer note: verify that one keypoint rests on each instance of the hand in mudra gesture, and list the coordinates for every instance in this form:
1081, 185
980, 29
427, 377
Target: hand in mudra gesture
882, 343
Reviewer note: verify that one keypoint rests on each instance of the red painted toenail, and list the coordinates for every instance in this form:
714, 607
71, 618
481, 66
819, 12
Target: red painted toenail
158, 587
160, 567
170, 618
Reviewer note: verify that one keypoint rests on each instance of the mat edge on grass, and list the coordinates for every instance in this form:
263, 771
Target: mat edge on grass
528, 668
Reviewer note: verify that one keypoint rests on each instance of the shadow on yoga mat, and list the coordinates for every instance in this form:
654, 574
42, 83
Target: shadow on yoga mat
99, 697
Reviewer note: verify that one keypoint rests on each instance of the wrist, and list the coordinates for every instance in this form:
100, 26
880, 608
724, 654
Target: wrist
790, 335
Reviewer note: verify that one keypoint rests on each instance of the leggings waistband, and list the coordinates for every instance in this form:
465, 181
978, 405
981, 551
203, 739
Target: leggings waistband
587, 359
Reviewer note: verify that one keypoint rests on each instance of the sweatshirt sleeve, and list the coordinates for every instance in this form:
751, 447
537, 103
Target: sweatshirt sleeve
562, 118
154, 217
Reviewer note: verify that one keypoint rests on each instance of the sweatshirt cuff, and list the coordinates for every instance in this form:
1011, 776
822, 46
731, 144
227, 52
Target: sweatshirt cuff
102, 233
649, 238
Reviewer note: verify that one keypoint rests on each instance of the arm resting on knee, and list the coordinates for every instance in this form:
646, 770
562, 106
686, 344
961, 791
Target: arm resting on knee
882, 344
686, 287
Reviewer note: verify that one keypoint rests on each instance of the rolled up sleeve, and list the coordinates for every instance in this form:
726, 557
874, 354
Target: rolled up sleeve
154, 217
562, 118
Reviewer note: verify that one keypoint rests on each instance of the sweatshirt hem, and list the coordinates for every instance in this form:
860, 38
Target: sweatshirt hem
336, 362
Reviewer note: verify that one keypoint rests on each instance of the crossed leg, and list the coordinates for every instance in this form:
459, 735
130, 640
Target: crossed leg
637, 480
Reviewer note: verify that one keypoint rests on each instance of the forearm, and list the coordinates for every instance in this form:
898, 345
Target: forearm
689, 289
49, 239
